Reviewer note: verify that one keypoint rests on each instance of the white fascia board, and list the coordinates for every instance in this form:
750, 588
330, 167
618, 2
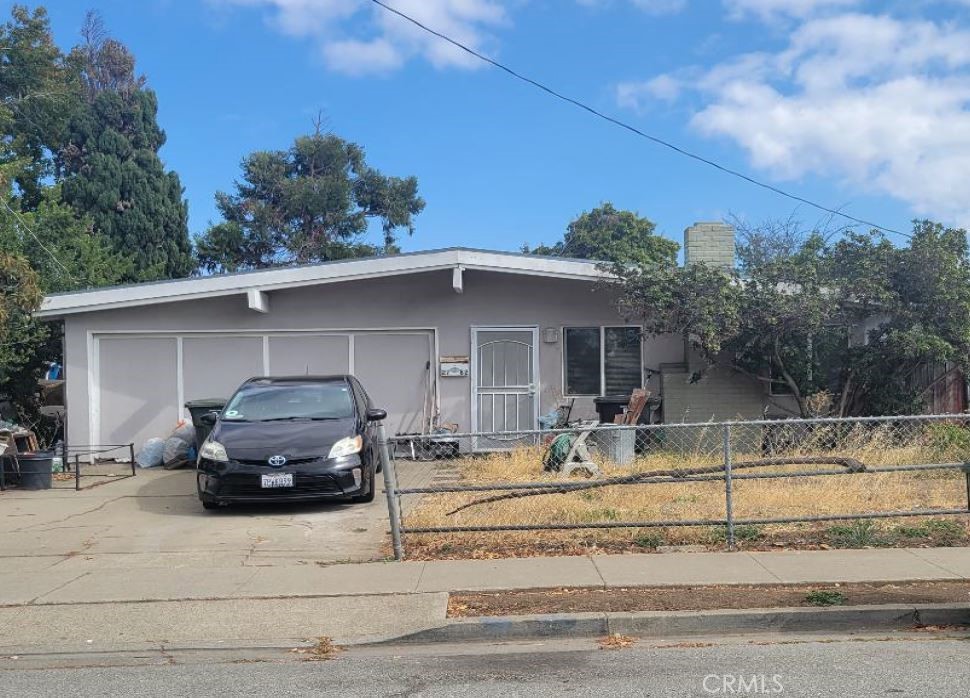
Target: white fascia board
276, 279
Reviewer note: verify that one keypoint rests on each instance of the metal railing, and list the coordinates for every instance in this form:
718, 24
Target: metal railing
77, 461
91, 458
602, 477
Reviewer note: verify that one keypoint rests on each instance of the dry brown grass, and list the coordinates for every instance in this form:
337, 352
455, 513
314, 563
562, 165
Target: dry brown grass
615, 641
322, 649
684, 501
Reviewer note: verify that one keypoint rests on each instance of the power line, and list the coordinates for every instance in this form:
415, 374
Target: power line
44, 247
634, 129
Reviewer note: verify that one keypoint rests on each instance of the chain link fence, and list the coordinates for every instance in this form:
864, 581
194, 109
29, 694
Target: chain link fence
611, 486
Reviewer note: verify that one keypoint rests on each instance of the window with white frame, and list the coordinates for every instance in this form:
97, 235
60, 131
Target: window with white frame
601, 360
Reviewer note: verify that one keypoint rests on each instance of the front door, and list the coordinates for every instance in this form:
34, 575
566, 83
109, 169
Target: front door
505, 378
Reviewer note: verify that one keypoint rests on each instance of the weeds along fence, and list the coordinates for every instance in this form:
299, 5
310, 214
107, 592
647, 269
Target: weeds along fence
725, 479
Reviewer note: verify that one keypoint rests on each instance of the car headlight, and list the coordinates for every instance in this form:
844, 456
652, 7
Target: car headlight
346, 447
213, 450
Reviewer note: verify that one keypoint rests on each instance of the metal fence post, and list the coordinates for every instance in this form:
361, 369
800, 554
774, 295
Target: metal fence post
390, 489
966, 470
77, 471
131, 455
728, 487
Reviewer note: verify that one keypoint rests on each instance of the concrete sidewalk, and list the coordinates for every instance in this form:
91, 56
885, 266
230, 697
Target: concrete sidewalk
173, 577
100, 602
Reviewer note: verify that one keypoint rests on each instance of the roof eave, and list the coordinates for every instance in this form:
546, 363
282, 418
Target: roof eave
277, 279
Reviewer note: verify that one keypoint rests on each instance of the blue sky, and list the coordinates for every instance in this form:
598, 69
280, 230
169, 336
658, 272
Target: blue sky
860, 105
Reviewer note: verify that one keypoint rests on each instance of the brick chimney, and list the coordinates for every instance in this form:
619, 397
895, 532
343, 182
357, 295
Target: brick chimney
711, 243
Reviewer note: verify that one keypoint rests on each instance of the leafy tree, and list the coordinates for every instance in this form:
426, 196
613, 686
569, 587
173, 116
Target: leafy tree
46, 250
841, 325
311, 203
37, 94
45, 245
104, 64
112, 170
608, 234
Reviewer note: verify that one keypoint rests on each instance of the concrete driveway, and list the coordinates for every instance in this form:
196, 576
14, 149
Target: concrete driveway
155, 520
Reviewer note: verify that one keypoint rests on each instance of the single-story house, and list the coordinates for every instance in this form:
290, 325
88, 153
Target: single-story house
483, 340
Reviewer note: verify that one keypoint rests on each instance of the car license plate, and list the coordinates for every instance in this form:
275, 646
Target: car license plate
277, 480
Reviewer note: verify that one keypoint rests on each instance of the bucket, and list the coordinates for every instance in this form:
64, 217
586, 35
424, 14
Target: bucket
35, 470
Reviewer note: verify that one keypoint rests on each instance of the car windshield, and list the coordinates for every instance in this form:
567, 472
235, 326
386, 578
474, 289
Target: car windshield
281, 401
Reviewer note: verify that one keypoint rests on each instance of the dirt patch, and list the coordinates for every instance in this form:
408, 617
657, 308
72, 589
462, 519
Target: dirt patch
700, 598
912, 532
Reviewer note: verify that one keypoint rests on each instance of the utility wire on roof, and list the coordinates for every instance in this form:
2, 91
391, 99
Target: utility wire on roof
633, 129
44, 247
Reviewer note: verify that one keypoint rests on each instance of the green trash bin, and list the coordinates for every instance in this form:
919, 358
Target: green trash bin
36, 468
197, 408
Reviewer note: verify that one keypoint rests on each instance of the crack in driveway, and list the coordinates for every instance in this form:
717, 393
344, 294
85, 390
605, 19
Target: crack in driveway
101, 506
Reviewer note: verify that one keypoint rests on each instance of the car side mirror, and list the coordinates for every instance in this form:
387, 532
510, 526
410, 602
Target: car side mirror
209, 418
376, 415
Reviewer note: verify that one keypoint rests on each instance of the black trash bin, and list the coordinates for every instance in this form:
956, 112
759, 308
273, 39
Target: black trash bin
608, 406
197, 408
35, 469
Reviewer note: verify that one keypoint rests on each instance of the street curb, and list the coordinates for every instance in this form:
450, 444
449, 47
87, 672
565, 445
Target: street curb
687, 623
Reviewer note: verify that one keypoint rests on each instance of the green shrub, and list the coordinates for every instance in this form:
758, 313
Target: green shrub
945, 530
858, 534
651, 539
825, 597
949, 442
746, 532
607, 514
911, 531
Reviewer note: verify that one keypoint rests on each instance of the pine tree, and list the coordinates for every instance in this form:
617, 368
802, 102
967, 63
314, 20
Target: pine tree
311, 203
113, 173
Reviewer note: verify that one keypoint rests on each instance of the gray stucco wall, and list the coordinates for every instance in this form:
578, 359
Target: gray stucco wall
425, 301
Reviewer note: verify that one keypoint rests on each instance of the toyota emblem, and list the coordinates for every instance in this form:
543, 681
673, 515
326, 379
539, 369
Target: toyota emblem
277, 461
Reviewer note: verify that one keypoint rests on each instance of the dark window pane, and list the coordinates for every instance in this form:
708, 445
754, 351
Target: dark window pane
623, 371
582, 348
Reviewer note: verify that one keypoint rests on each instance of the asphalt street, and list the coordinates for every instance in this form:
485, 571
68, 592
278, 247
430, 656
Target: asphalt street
922, 665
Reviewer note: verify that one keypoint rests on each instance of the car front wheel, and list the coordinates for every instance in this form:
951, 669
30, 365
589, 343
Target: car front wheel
368, 495
207, 502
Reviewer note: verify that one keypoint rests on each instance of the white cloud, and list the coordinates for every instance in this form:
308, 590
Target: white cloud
355, 57
634, 95
357, 37
882, 104
771, 9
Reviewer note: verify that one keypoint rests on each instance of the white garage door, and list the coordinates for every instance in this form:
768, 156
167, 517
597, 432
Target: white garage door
143, 385
394, 369
139, 389
216, 366
302, 355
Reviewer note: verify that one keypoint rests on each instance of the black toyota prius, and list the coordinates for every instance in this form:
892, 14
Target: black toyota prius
293, 438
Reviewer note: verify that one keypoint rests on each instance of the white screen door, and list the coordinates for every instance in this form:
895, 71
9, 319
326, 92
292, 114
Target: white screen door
505, 378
